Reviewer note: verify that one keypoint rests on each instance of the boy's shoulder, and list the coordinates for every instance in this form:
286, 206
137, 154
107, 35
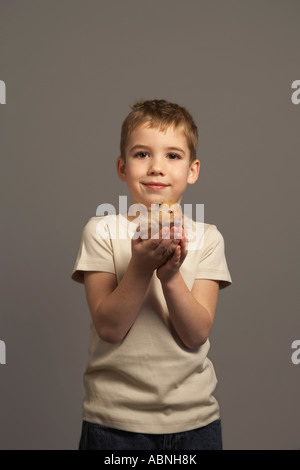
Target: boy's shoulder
201, 234
112, 226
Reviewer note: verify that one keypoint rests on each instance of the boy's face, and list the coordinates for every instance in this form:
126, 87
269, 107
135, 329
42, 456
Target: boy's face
157, 166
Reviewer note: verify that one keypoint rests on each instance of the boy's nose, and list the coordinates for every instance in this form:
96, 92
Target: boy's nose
156, 167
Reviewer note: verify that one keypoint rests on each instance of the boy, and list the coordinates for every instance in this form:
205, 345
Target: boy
149, 383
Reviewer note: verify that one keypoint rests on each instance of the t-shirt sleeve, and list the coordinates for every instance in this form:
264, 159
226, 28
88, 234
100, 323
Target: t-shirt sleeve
213, 264
95, 252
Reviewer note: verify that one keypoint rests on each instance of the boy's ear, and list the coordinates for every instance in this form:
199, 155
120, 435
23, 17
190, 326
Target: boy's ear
121, 168
194, 172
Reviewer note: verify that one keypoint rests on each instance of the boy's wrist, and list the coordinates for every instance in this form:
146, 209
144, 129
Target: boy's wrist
170, 282
140, 269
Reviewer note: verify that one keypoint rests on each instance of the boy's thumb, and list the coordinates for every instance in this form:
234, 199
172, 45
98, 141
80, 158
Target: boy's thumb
136, 235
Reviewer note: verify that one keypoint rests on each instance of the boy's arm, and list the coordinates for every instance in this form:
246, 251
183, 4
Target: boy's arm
114, 307
191, 312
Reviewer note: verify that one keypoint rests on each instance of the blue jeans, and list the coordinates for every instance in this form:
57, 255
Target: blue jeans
97, 437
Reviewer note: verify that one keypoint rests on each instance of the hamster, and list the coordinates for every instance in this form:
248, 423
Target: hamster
164, 214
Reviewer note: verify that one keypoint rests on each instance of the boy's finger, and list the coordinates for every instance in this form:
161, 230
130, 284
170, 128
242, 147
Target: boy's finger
178, 233
165, 232
137, 233
177, 255
136, 238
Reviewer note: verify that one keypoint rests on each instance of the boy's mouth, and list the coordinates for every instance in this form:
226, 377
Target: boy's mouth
155, 186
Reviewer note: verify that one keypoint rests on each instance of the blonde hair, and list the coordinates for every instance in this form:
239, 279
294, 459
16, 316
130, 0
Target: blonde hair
160, 114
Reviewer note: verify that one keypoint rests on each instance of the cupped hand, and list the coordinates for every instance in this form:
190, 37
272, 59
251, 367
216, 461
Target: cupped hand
149, 254
170, 268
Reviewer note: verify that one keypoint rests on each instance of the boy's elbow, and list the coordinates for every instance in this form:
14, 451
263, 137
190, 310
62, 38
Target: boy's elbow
109, 335
107, 331
197, 342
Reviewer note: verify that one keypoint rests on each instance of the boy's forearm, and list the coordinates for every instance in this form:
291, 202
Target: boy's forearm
118, 311
190, 319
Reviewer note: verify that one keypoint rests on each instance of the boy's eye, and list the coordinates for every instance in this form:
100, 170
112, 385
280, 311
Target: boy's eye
173, 156
141, 154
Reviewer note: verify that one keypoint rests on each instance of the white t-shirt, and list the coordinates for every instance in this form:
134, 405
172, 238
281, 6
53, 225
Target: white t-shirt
149, 382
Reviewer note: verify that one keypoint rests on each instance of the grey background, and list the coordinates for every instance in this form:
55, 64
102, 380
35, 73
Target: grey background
71, 69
